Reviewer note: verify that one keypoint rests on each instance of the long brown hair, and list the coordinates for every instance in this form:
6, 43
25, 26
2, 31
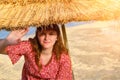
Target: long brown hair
58, 47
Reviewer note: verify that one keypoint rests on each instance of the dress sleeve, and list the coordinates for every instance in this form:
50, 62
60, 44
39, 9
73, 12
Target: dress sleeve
16, 51
65, 69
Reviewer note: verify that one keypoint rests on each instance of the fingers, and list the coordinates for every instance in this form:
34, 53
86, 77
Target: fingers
26, 30
17, 34
21, 32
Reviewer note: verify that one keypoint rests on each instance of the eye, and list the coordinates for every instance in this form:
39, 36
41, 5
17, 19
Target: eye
52, 33
41, 34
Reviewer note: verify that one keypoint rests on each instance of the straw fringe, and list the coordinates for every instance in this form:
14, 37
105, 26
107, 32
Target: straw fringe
53, 11
26, 2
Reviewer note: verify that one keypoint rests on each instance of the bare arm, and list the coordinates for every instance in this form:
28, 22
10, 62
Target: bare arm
13, 38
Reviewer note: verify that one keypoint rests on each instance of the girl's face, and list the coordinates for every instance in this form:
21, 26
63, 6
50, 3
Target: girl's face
47, 38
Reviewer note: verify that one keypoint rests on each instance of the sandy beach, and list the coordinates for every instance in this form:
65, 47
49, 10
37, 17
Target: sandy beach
94, 50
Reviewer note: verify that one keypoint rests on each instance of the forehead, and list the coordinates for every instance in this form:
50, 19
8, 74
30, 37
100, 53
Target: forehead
47, 31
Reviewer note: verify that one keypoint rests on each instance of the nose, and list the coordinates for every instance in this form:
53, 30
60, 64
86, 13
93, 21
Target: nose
46, 36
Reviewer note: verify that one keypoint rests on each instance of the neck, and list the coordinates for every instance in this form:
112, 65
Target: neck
47, 51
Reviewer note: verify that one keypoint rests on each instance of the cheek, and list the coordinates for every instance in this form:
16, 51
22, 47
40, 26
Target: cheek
40, 39
55, 39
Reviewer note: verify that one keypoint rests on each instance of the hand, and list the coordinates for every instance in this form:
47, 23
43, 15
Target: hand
15, 36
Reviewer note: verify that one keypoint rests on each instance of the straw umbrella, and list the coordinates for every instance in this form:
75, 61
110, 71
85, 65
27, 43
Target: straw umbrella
16, 14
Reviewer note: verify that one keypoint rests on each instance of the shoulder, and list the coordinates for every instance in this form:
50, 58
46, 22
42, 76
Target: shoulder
27, 43
65, 60
64, 56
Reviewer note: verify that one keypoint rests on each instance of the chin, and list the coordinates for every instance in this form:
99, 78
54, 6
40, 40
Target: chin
47, 47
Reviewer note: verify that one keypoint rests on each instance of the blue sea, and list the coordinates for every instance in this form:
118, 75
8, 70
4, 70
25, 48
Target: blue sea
4, 33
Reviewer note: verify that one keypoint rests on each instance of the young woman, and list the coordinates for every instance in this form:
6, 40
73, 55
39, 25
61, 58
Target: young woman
46, 58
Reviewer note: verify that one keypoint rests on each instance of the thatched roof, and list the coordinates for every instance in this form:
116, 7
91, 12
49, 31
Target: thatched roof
23, 13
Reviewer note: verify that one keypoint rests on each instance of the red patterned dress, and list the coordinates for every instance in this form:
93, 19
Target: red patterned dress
52, 71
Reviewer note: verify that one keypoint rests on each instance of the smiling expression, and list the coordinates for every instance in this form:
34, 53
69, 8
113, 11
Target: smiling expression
47, 38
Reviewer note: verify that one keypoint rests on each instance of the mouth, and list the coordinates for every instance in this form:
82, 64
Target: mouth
46, 42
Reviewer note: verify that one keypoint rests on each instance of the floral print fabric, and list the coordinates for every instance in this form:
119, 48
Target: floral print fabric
54, 70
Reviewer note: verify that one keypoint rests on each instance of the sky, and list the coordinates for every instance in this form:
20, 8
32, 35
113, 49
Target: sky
4, 33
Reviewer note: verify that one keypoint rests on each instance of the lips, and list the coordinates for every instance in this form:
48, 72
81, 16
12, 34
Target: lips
46, 42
